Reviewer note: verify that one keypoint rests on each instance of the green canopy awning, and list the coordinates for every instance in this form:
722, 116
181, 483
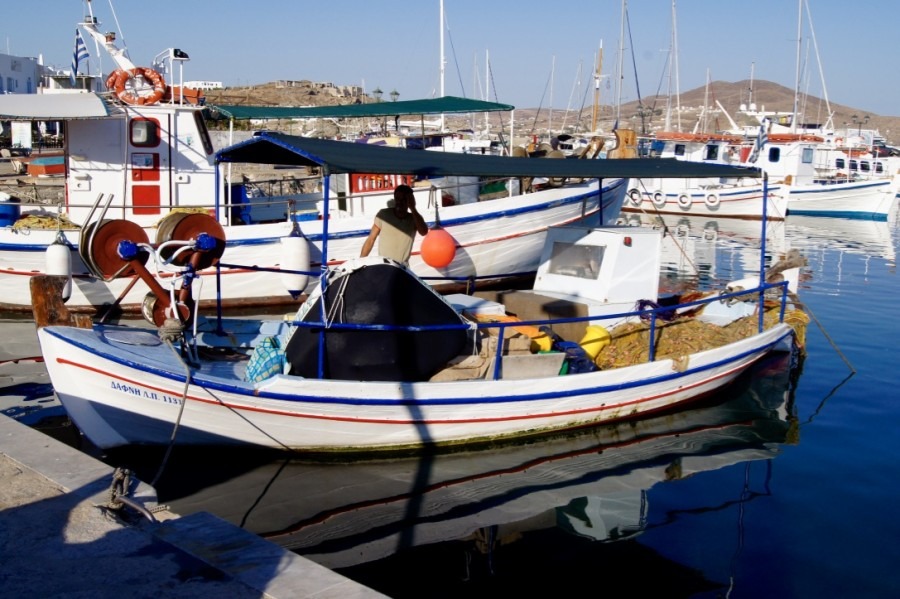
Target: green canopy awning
351, 157
445, 105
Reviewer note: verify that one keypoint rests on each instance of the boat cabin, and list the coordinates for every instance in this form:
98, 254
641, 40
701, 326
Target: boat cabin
589, 272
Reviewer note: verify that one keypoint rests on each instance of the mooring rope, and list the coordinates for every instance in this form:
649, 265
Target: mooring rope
168, 335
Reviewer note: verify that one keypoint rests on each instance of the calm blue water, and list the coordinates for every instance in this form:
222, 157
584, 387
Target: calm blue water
784, 486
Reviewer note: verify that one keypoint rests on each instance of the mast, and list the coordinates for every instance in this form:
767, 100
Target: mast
487, 89
443, 61
667, 125
797, 87
550, 119
596, 114
675, 63
621, 62
750, 91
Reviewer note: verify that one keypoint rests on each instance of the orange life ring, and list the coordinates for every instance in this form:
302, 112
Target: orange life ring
118, 78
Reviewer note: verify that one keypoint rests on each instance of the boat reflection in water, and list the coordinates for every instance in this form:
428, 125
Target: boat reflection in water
706, 250
864, 237
590, 487
703, 250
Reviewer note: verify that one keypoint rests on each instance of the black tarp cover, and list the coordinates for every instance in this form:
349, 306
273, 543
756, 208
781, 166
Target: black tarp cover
401, 300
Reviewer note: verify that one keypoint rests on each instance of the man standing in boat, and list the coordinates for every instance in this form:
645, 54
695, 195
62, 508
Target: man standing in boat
397, 226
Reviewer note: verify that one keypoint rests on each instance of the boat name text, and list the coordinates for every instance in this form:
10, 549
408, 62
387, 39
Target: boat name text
138, 392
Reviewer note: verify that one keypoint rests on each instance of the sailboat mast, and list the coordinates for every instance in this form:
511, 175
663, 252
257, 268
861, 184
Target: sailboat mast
487, 88
675, 64
596, 115
443, 61
750, 91
552, 75
620, 67
797, 88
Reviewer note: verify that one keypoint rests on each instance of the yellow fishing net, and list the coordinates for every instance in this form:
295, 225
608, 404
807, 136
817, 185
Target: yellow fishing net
630, 343
44, 221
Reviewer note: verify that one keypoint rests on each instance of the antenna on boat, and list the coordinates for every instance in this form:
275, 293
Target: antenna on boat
107, 40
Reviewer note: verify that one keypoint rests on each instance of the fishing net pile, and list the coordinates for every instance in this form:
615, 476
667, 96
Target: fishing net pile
630, 343
44, 221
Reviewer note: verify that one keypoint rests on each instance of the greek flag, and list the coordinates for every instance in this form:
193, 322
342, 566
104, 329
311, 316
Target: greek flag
762, 138
78, 55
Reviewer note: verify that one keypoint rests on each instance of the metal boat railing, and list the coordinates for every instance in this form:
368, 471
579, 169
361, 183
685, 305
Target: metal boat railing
653, 315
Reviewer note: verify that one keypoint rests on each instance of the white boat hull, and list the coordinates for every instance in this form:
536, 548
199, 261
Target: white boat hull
689, 197
123, 387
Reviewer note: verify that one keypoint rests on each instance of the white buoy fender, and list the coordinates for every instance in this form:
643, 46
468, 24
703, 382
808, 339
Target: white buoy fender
59, 262
294, 257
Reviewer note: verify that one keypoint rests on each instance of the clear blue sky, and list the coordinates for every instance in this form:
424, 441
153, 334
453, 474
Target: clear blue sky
394, 44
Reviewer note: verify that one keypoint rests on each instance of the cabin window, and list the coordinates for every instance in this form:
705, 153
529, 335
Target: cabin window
807, 156
774, 154
864, 166
679, 149
712, 152
204, 133
145, 133
839, 163
854, 165
582, 261
879, 167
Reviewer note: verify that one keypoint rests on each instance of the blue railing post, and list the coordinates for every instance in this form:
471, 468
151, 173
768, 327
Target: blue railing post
762, 254
501, 330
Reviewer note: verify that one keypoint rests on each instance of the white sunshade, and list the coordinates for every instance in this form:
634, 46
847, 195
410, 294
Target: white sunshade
52, 107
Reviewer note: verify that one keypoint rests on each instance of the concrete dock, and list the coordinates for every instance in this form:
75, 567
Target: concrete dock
60, 534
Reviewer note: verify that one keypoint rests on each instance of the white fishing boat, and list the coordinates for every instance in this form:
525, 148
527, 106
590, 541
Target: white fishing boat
375, 360
735, 197
806, 176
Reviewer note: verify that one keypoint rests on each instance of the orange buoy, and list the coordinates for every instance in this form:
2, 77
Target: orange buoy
438, 248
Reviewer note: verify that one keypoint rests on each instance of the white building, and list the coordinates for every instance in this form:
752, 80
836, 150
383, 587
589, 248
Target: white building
203, 84
19, 75
22, 75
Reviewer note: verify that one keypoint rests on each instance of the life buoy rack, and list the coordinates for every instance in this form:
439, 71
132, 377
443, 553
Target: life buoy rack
659, 199
635, 196
118, 78
712, 201
684, 201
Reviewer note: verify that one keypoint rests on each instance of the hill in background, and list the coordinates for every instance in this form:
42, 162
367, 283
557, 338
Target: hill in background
766, 95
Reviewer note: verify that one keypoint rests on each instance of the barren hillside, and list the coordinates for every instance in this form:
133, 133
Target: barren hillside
731, 95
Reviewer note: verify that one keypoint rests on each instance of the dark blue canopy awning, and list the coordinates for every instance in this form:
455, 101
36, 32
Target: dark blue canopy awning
349, 157
443, 105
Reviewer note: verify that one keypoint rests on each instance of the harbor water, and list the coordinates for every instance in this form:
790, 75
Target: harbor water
783, 485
